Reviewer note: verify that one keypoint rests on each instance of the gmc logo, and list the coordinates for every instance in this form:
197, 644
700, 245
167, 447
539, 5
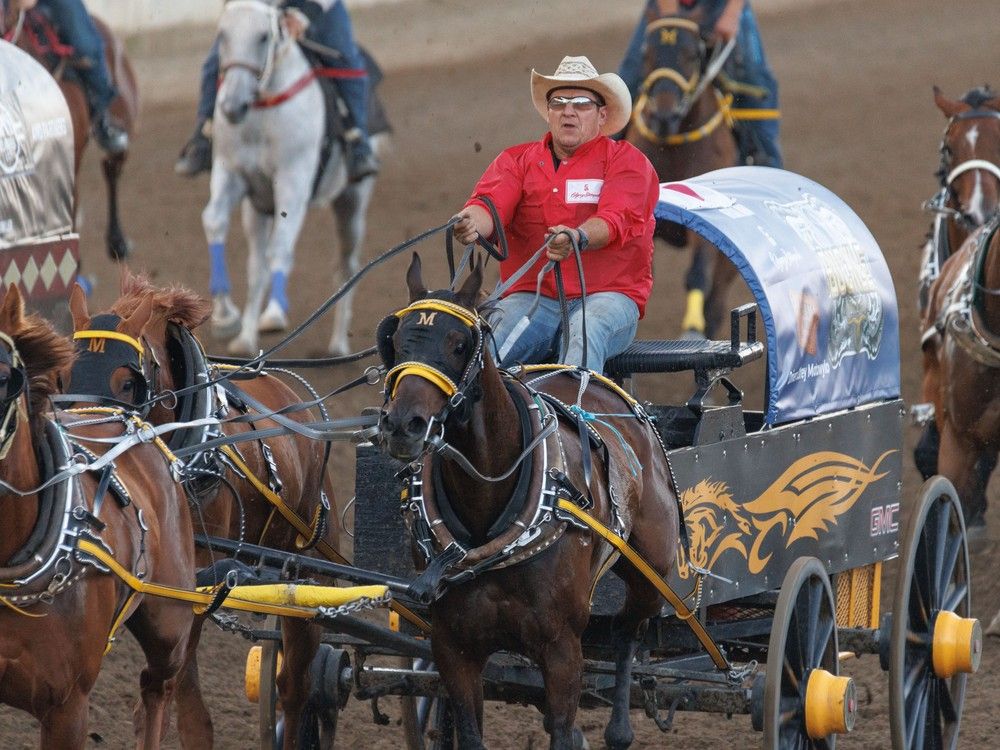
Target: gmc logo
883, 519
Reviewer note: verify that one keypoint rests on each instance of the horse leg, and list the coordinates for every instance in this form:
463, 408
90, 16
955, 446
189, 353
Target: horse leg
255, 227
351, 209
226, 191
461, 675
723, 273
64, 727
696, 284
957, 458
194, 723
562, 670
119, 247
300, 642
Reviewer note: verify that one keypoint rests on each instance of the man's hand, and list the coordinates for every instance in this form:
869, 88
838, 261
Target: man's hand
560, 246
728, 24
296, 23
466, 230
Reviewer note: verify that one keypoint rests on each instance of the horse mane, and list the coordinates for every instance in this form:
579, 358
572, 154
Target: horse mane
978, 96
45, 354
176, 303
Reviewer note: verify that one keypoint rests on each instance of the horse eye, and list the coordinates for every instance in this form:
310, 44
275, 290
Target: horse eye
461, 347
262, 39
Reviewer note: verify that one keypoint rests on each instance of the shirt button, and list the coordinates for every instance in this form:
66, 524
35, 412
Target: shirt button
555, 190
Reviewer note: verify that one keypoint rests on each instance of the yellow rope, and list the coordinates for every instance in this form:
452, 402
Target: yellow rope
718, 658
602, 379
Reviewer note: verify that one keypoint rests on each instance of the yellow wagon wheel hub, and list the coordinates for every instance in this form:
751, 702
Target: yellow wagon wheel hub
251, 675
958, 644
831, 704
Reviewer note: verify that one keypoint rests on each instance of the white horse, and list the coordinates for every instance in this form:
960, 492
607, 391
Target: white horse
268, 133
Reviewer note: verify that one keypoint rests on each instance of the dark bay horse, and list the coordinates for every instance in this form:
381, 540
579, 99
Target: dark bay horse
683, 124
240, 500
961, 346
124, 108
498, 444
61, 604
969, 176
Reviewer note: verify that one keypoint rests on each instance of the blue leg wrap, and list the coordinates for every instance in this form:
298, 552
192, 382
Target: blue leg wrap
279, 289
218, 280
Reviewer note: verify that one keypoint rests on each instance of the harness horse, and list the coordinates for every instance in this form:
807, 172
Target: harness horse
683, 122
490, 454
67, 507
269, 154
274, 491
34, 33
957, 302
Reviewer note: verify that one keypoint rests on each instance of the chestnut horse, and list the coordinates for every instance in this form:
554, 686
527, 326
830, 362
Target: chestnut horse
62, 604
969, 176
290, 469
961, 346
124, 108
685, 133
495, 449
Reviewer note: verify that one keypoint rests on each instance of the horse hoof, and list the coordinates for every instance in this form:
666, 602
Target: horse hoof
337, 348
579, 741
119, 249
994, 627
241, 346
225, 317
273, 319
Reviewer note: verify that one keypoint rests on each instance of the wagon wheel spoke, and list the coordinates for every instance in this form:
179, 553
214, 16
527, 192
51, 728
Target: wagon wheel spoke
913, 676
948, 709
916, 721
955, 598
825, 634
949, 561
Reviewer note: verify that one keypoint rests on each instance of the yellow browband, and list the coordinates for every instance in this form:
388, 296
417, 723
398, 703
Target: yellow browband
116, 335
679, 23
426, 372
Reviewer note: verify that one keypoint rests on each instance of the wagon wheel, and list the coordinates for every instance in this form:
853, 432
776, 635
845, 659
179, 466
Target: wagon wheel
427, 721
931, 651
805, 701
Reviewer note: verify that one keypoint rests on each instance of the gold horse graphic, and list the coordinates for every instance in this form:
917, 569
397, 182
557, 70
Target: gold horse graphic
805, 501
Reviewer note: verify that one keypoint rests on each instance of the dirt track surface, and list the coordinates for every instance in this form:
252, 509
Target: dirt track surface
856, 83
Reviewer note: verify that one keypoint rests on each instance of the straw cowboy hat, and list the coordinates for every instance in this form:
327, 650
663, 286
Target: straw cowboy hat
579, 73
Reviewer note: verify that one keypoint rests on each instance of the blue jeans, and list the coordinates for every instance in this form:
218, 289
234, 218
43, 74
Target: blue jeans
747, 64
333, 30
76, 28
611, 323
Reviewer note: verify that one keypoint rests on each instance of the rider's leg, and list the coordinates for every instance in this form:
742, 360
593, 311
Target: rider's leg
333, 29
749, 68
523, 335
630, 69
611, 318
196, 156
77, 28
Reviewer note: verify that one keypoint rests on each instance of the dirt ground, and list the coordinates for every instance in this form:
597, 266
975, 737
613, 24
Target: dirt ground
859, 118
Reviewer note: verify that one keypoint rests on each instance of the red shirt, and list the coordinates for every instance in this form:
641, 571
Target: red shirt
609, 179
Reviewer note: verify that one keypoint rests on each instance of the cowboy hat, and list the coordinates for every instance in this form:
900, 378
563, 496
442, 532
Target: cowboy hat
579, 73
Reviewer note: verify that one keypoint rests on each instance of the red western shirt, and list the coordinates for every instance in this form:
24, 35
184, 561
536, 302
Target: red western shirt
609, 179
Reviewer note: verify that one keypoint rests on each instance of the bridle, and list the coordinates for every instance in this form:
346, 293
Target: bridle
948, 176
100, 351
263, 72
691, 88
11, 408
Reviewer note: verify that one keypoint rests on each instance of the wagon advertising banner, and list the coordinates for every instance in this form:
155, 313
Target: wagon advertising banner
822, 285
36, 152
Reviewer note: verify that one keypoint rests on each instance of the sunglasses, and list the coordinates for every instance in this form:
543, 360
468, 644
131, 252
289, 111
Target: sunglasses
580, 103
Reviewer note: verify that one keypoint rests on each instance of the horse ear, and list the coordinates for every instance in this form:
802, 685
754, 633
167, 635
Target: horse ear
12, 309
414, 280
468, 295
949, 107
134, 323
78, 308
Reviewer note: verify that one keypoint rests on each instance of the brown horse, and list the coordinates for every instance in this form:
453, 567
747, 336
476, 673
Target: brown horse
969, 176
288, 469
124, 108
501, 446
62, 605
961, 346
683, 125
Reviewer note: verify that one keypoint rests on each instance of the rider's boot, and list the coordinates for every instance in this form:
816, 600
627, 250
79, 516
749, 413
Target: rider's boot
109, 136
196, 156
361, 160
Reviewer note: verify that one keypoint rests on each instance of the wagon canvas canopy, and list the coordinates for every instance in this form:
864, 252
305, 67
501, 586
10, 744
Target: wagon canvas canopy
819, 279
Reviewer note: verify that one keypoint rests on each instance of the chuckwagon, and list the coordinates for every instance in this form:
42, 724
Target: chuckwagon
38, 247
788, 513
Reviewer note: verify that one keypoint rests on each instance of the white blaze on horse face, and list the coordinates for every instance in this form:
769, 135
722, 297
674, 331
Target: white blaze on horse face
977, 200
249, 36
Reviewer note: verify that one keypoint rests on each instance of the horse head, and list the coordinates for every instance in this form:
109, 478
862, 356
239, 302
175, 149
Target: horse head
433, 351
252, 39
674, 56
970, 157
123, 354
